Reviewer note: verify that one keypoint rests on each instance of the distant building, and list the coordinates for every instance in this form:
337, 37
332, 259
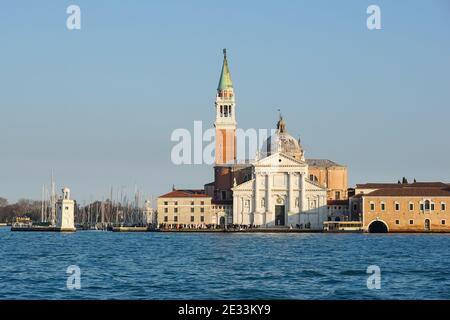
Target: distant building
338, 210
65, 212
408, 207
330, 175
190, 208
148, 214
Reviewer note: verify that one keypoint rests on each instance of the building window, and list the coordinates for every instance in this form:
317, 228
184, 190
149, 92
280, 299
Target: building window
411, 221
166, 210
202, 203
411, 206
397, 206
202, 218
175, 218
263, 202
176, 203
397, 221
192, 203
337, 195
192, 218
442, 221
427, 205
192, 210
166, 203
372, 206
166, 218
175, 210
224, 195
432, 206
202, 210
421, 207
443, 206
383, 206
355, 207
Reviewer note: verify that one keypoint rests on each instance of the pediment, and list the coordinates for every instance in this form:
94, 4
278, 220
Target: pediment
248, 185
310, 185
274, 161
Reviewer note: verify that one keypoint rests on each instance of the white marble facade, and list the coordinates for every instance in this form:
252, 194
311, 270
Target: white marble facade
280, 194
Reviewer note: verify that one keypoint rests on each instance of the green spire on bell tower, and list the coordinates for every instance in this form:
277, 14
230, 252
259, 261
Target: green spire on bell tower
225, 76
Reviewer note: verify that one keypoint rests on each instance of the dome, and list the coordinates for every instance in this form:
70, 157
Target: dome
282, 142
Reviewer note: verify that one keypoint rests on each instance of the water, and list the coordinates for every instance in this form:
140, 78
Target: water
223, 266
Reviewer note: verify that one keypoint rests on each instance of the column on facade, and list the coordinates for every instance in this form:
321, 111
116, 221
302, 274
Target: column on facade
268, 193
257, 193
291, 195
235, 209
303, 204
239, 211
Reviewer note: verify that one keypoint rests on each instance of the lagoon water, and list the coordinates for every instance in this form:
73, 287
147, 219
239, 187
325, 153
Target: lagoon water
223, 266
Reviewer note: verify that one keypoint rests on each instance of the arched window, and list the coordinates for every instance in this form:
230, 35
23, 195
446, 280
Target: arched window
427, 205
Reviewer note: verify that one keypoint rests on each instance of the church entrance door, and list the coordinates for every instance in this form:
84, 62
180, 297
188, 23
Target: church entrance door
279, 216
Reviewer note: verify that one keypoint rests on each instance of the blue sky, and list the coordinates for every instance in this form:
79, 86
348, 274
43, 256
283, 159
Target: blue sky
98, 105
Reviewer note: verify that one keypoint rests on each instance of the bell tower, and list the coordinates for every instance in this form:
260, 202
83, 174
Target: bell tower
225, 122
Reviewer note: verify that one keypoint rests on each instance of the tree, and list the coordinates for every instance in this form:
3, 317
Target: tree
3, 202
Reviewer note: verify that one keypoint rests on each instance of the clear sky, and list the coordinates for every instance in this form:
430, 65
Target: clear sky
98, 105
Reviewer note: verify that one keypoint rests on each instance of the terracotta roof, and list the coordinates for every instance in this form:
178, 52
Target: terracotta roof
402, 185
411, 192
325, 163
377, 185
185, 194
337, 202
222, 202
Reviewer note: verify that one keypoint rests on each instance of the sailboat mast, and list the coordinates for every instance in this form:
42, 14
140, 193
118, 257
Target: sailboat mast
53, 202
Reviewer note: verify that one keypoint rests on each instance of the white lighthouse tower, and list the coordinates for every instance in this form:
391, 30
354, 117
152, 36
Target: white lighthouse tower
65, 212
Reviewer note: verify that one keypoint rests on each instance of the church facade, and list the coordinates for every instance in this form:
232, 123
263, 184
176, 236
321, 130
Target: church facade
280, 194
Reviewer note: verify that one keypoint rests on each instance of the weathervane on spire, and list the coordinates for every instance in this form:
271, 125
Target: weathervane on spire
279, 111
